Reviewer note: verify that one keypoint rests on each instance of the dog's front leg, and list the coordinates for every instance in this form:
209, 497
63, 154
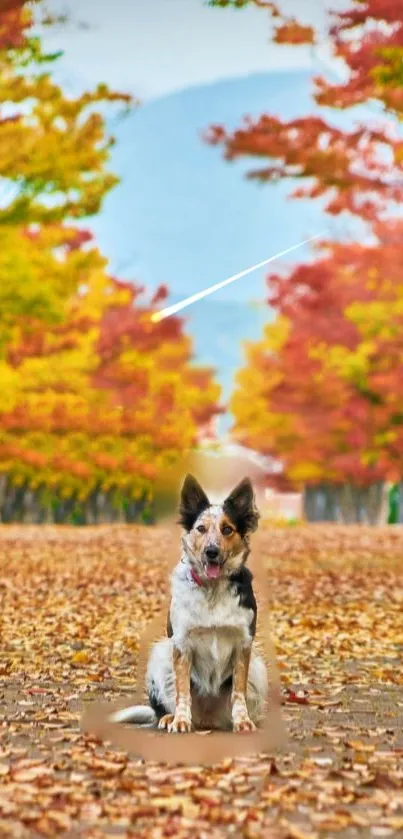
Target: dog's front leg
240, 717
182, 720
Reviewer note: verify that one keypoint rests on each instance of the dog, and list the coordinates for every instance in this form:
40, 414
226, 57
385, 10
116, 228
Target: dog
206, 673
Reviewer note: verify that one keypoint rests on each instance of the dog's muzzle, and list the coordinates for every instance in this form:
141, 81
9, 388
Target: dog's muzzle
213, 557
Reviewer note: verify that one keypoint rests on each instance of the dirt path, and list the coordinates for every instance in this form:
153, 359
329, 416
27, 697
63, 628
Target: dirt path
73, 604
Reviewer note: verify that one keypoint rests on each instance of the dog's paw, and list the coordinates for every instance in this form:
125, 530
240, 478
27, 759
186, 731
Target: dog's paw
180, 724
243, 724
166, 721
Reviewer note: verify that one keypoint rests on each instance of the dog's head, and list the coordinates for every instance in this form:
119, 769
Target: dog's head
216, 539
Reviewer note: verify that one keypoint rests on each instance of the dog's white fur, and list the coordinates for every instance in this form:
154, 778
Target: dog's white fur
208, 623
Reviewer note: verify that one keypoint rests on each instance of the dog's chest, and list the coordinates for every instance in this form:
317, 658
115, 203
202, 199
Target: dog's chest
213, 654
195, 608
211, 625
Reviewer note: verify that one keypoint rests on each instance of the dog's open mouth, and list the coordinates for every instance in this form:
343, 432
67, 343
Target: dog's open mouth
213, 569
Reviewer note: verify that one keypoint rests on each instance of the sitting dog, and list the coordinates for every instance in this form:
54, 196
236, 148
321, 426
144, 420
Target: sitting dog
205, 674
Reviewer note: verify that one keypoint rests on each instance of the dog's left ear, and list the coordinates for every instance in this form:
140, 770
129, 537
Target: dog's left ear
241, 509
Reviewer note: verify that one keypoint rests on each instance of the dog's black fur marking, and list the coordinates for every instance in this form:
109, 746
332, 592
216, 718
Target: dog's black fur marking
227, 685
242, 581
193, 502
170, 631
157, 706
240, 508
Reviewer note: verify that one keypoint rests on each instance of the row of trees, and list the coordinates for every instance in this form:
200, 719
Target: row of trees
95, 399
322, 389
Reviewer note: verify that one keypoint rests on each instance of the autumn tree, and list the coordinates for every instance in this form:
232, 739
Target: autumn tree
97, 407
95, 398
325, 376
54, 151
357, 170
321, 388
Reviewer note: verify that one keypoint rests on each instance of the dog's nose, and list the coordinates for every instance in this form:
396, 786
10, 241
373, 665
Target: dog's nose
212, 552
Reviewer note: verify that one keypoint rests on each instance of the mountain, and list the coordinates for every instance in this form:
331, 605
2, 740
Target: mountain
219, 329
183, 217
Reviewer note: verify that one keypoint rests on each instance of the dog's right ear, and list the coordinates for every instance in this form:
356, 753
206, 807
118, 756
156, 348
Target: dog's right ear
193, 501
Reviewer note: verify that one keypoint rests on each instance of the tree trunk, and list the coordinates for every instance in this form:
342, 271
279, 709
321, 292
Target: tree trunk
308, 503
3, 494
374, 503
48, 515
347, 503
396, 504
320, 503
30, 507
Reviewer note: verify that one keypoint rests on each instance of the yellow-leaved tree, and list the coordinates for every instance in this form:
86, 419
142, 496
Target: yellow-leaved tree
95, 399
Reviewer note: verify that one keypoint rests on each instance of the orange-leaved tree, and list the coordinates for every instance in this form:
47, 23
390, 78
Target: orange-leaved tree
321, 388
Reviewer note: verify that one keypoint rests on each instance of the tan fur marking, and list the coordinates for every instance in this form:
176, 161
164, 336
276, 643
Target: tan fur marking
166, 721
182, 674
240, 716
241, 669
182, 720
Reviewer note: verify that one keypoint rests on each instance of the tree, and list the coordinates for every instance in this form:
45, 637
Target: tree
53, 148
328, 367
357, 170
97, 407
94, 398
320, 389
54, 152
325, 376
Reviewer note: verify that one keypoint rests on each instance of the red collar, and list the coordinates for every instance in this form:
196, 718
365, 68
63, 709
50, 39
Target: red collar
196, 577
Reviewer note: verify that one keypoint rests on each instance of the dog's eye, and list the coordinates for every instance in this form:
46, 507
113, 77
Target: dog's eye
227, 530
201, 528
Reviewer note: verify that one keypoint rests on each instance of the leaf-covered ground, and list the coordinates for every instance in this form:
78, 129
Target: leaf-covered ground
72, 606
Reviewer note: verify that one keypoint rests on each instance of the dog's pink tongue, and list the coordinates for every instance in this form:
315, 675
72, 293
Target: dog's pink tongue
213, 571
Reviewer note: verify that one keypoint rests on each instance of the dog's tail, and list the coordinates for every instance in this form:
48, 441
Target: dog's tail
140, 714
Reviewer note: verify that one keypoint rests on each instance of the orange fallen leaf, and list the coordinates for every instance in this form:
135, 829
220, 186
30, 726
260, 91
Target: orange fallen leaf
294, 832
31, 773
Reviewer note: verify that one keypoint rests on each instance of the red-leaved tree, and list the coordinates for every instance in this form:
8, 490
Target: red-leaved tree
320, 389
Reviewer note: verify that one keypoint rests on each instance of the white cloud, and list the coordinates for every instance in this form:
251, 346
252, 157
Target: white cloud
152, 48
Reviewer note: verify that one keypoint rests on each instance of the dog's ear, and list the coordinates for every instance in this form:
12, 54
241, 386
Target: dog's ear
241, 509
193, 501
